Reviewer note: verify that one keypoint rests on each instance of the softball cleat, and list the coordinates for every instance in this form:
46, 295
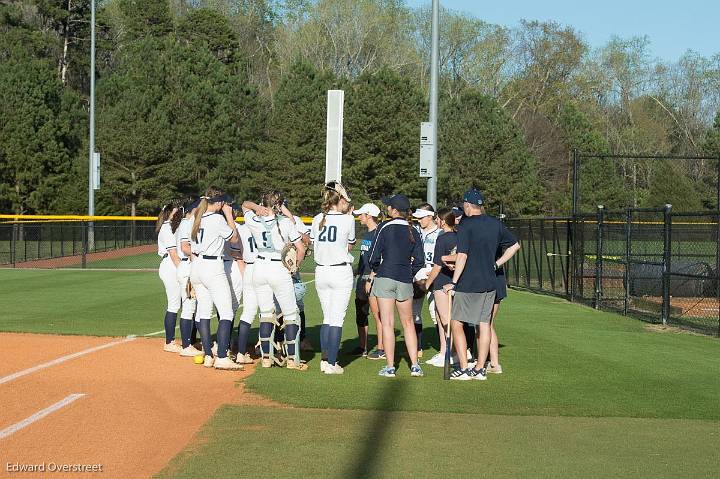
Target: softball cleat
227, 364
333, 369
209, 361
172, 348
190, 352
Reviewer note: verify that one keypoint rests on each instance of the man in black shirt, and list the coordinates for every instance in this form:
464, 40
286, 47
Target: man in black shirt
479, 236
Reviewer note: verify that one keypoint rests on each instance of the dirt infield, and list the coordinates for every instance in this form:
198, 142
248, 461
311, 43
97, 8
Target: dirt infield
139, 406
67, 261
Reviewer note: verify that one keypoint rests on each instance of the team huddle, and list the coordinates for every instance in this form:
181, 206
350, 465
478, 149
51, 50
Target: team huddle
452, 258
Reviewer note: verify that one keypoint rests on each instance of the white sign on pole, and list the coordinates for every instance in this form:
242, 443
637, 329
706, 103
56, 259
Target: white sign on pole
333, 147
96, 171
426, 150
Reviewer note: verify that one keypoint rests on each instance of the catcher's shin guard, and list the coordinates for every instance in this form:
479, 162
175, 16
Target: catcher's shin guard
292, 341
272, 352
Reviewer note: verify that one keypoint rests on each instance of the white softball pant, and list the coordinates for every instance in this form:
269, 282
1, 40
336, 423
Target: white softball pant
211, 287
249, 296
272, 278
235, 281
183, 277
418, 304
167, 273
334, 285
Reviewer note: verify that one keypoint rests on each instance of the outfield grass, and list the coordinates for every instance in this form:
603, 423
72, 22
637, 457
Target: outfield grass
300, 443
583, 393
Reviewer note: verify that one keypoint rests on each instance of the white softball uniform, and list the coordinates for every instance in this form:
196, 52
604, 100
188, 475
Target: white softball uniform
249, 253
269, 275
182, 235
429, 238
333, 274
208, 275
232, 270
167, 271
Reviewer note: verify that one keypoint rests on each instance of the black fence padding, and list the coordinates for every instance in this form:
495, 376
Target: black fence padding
646, 279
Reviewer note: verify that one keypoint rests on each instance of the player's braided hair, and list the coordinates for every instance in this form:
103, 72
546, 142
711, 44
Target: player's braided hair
411, 230
273, 199
166, 212
179, 213
211, 192
330, 198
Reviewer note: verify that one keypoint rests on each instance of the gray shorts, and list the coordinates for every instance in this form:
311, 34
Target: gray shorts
473, 308
389, 288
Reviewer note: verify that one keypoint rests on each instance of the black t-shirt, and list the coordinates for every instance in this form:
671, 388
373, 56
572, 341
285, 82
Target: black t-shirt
365, 247
480, 237
444, 245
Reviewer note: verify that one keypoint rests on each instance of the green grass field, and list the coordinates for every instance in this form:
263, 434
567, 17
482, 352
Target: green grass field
583, 393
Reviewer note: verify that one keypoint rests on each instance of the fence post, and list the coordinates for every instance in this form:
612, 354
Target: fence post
666, 264
599, 255
13, 244
717, 261
84, 241
570, 259
628, 252
542, 255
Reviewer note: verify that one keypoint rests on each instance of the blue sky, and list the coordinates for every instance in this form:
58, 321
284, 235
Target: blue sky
672, 26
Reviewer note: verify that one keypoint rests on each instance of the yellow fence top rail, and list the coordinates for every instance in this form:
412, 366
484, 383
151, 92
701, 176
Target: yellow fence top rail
33, 218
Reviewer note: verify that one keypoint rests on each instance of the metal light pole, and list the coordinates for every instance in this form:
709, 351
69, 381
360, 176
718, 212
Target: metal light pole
91, 161
434, 65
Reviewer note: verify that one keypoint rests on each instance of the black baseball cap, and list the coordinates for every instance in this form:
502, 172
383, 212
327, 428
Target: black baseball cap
399, 202
192, 204
224, 198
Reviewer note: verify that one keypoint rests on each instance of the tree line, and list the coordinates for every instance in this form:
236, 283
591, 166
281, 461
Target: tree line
233, 92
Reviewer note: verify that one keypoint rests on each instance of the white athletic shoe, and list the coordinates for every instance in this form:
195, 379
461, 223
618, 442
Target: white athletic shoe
495, 369
438, 360
244, 359
323, 365
333, 369
190, 352
209, 361
227, 364
172, 347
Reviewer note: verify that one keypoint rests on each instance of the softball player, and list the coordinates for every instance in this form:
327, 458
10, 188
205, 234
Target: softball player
232, 257
397, 255
210, 231
300, 289
333, 237
249, 297
184, 250
167, 222
429, 231
272, 229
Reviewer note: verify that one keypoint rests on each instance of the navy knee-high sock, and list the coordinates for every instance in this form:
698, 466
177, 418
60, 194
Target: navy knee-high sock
334, 334
265, 332
419, 334
186, 326
470, 337
302, 325
243, 332
324, 340
204, 329
223, 337
170, 322
291, 332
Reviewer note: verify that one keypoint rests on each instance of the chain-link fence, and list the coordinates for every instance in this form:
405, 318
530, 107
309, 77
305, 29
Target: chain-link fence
652, 263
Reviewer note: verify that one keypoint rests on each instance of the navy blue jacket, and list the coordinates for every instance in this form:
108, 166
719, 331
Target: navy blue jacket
393, 255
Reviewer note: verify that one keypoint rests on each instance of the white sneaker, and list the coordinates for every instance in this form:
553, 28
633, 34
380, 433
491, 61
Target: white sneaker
323, 365
227, 364
209, 361
333, 369
172, 347
495, 369
469, 354
244, 359
460, 375
438, 360
190, 352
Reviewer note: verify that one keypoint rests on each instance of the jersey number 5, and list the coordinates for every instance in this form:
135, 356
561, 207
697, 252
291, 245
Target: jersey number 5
328, 233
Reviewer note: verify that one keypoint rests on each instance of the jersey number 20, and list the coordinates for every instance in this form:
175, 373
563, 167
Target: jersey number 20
328, 233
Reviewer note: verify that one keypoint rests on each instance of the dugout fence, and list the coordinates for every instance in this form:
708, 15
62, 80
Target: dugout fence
651, 263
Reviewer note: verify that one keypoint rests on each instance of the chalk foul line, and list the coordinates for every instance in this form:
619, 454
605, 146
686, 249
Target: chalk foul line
62, 359
10, 430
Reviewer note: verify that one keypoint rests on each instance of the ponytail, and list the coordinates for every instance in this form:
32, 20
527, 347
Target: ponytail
201, 209
448, 217
162, 217
330, 199
179, 214
411, 230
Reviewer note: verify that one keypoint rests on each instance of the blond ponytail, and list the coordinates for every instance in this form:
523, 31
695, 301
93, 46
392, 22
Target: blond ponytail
330, 199
199, 212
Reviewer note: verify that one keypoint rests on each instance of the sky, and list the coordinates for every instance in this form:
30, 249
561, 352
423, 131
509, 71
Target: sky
672, 26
